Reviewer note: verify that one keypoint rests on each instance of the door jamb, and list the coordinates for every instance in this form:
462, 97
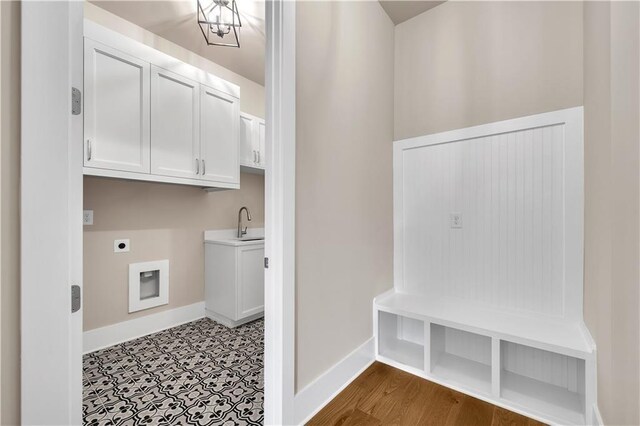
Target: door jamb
280, 213
50, 213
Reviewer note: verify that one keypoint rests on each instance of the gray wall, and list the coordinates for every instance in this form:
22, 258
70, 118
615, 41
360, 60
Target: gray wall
162, 222
10, 212
344, 120
466, 63
612, 205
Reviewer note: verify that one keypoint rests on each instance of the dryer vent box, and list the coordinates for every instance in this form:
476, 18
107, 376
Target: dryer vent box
148, 285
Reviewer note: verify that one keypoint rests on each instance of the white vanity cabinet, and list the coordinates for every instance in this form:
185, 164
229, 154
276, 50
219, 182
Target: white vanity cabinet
234, 280
151, 117
252, 143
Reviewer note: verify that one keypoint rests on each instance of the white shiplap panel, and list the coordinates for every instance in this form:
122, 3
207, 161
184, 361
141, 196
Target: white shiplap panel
544, 366
509, 189
411, 330
467, 345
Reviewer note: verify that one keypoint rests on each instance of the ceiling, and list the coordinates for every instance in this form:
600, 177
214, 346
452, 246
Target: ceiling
175, 20
401, 10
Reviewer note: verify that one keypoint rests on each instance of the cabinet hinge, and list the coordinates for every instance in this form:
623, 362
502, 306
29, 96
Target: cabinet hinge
266, 263
76, 101
76, 298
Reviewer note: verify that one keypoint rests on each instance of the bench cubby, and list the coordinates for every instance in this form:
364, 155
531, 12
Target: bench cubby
401, 340
461, 357
543, 381
537, 366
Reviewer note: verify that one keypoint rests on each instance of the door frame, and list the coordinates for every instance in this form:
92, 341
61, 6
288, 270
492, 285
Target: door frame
280, 173
51, 181
50, 213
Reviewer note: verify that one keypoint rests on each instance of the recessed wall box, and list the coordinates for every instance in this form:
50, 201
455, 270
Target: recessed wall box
148, 285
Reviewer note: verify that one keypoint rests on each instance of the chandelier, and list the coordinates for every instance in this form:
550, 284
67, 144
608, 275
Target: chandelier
219, 19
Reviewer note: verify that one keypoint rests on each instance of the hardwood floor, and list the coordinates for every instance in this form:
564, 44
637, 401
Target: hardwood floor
384, 395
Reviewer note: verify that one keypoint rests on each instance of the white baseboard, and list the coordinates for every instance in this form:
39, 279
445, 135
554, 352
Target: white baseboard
229, 322
317, 394
103, 337
597, 417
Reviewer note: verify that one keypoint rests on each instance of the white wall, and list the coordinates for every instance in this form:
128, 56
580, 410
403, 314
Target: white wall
344, 130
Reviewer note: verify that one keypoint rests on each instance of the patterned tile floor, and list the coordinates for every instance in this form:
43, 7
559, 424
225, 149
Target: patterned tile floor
200, 373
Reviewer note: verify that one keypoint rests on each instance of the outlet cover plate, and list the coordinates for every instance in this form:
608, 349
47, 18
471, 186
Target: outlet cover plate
87, 217
121, 246
455, 220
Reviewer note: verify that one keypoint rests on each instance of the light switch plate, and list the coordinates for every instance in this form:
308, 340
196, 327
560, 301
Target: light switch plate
121, 246
455, 220
87, 217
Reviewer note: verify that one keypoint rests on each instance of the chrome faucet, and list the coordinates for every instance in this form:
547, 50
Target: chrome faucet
241, 231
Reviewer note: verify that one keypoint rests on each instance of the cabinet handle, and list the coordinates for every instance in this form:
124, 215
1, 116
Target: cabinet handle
197, 166
255, 158
204, 170
88, 149
259, 159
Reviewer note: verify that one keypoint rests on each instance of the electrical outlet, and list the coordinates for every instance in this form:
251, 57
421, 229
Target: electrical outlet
121, 246
87, 217
455, 220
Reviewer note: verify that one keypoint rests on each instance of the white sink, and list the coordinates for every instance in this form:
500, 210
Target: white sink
254, 236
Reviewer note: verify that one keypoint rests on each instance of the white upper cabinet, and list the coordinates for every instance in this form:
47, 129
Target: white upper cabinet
247, 150
149, 116
262, 154
116, 109
175, 123
219, 123
252, 146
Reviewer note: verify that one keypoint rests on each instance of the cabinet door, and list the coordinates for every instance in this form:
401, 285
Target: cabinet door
247, 152
116, 117
250, 281
262, 153
175, 118
219, 136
